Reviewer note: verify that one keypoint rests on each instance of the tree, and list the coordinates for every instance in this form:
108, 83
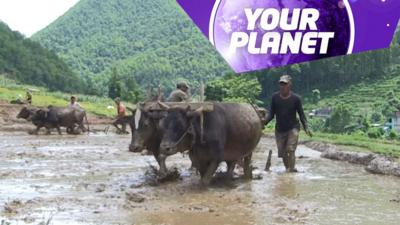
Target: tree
131, 91
340, 119
316, 94
233, 88
114, 85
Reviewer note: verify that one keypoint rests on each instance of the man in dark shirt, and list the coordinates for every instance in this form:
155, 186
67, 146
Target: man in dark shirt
284, 105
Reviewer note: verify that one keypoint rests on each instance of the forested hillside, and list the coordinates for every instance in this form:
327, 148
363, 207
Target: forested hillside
333, 75
133, 43
28, 62
152, 41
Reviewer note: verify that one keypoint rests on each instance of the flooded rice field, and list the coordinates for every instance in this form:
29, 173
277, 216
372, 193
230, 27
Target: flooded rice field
93, 179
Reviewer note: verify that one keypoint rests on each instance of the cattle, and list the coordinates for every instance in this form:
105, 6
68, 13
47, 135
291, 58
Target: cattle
147, 134
56, 117
230, 133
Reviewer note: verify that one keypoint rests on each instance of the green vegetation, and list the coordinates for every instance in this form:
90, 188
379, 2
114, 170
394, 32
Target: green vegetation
11, 90
351, 142
233, 88
24, 60
357, 142
128, 90
367, 96
150, 41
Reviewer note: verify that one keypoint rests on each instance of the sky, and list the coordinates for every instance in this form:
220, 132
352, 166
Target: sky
30, 16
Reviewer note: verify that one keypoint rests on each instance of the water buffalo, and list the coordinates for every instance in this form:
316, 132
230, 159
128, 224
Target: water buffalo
55, 117
229, 133
147, 134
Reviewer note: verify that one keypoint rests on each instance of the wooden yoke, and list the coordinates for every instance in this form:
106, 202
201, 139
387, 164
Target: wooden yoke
164, 106
200, 107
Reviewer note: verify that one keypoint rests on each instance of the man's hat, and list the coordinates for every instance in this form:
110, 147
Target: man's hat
117, 99
182, 84
285, 79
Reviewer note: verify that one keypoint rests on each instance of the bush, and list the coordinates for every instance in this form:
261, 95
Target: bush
392, 135
340, 119
377, 117
375, 133
316, 124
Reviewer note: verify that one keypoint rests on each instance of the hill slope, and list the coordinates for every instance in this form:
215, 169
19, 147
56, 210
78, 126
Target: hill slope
28, 62
141, 38
365, 97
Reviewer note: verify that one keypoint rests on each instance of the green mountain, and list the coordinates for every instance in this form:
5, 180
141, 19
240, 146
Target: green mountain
28, 62
150, 40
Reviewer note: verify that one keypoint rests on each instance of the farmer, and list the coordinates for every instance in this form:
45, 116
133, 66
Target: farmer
181, 94
29, 97
284, 105
74, 102
121, 117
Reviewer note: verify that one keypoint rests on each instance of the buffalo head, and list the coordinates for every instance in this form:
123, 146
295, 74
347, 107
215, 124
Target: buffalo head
27, 113
177, 127
144, 127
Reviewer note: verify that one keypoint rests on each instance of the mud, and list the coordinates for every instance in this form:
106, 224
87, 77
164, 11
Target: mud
373, 163
93, 179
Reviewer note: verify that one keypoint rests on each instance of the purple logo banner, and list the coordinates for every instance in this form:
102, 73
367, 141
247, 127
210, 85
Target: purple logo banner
260, 34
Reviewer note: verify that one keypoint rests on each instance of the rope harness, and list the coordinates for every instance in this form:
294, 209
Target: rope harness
182, 137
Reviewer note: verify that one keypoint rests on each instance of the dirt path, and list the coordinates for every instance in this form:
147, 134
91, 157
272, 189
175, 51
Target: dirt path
93, 179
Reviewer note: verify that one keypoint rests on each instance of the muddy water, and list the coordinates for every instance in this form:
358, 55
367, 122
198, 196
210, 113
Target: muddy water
94, 180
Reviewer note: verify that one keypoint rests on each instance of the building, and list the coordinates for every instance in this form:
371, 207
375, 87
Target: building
394, 121
321, 113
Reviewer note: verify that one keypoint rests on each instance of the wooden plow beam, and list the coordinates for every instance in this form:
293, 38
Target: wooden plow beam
157, 106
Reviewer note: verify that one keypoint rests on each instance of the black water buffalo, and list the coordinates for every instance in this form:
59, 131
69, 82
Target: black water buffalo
147, 135
55, 117
228, 133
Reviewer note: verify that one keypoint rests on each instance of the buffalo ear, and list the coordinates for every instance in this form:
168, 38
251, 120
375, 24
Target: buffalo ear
141, 106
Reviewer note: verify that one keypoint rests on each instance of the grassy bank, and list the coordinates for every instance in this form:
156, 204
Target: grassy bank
10, 90
352, 142
358, 143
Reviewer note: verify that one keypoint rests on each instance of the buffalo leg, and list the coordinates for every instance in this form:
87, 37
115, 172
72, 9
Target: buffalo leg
248, 174
231, 167
48, 130
36, 131
212, 167
161, 161
58, 130
82, 127
158, 159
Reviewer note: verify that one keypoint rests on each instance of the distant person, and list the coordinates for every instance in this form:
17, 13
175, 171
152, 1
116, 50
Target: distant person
121, 117
29, 97
74, 102
284, 105
181, 94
